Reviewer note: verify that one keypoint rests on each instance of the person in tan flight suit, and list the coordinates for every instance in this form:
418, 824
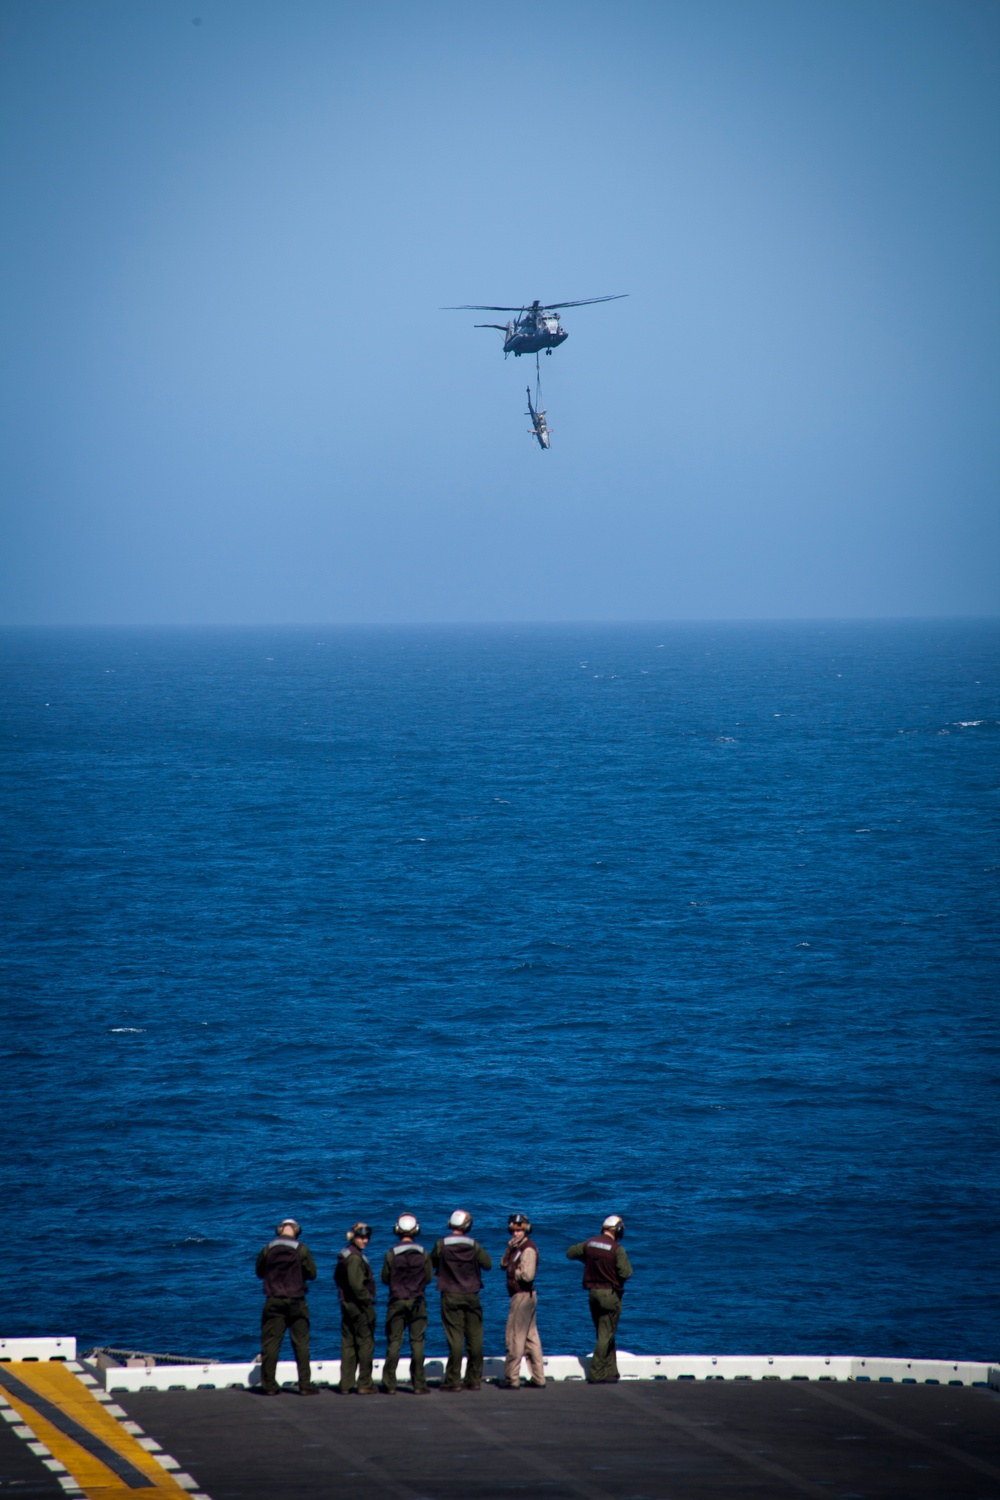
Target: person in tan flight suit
520, 1261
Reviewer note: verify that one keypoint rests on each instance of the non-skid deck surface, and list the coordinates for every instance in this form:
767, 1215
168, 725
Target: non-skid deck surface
634, 1441
62, 1439
22, 1472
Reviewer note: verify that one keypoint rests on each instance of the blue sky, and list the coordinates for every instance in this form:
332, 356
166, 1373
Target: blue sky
230, 395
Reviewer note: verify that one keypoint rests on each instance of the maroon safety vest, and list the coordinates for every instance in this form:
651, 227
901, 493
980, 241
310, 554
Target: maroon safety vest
407, 1272
283, 1276
599, 1264
513, 1285
458, 1270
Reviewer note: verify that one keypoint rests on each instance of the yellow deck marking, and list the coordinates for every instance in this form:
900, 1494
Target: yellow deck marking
53, 1382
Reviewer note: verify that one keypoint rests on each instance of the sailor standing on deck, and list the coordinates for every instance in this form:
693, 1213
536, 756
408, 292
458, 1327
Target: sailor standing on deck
406, 1271
285, 1265
606, 1269
520, 1261
356, 1289
459, 1261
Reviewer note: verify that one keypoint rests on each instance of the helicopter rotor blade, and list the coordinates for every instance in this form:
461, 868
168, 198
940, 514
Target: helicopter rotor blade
478, 307
502, 326
583, 302
534, 306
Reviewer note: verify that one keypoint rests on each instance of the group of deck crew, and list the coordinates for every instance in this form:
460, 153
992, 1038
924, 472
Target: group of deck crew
285, 1265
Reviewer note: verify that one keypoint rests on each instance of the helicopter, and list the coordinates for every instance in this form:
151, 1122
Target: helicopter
539, 427
534, 328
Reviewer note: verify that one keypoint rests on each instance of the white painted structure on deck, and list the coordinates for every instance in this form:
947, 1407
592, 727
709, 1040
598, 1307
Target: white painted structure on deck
558, 1367
562, 1367
37, 1349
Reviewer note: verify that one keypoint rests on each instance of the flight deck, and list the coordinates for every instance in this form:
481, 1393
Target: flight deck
152, 1431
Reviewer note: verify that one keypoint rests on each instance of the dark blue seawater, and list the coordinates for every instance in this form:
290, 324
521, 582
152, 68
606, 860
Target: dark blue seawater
693, 923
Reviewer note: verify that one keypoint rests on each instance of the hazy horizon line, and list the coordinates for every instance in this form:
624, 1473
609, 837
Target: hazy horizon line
533, 624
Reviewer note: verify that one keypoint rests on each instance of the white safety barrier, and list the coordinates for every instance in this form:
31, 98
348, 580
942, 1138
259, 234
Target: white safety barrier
562, 1367
37, 1349
801, 1367
922, 1371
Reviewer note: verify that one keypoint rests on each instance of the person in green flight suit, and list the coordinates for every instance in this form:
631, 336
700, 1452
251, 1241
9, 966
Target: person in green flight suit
460, 1261
606, 1269
285, 1265
406, 1271
355, 1283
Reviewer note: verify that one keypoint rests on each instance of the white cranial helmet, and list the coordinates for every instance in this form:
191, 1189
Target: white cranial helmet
406, 1224
460, 1220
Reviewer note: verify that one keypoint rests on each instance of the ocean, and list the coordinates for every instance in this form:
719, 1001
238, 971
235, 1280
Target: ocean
692, 923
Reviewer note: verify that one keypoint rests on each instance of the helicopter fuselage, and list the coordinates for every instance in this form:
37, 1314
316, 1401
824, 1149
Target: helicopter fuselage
533, 333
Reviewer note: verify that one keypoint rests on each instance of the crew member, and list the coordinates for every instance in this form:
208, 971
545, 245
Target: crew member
520, 1261
356, 1289
285, 1265
606, 1269
459, 1261
406, 1271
